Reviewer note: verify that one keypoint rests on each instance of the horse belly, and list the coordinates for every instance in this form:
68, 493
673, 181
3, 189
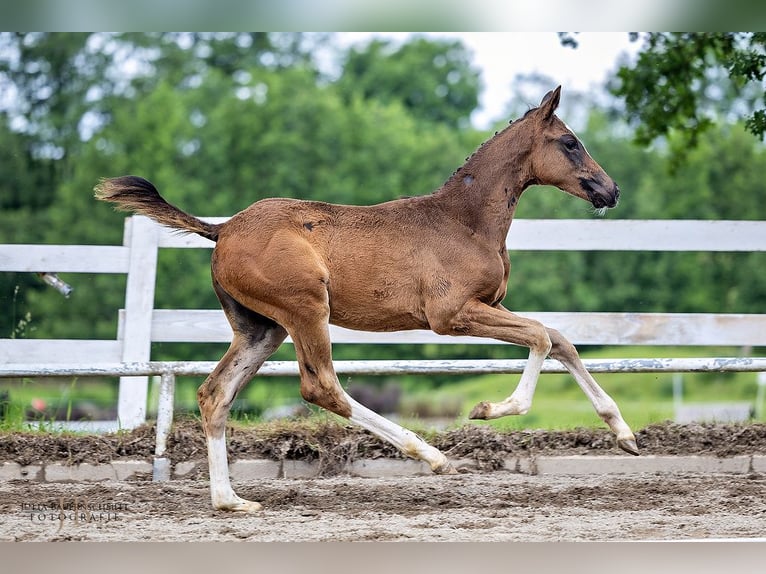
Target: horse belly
374, 305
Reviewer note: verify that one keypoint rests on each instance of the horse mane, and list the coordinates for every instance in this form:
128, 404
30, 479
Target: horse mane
483, 147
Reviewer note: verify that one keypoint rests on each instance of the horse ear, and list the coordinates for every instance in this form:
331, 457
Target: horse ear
550, 102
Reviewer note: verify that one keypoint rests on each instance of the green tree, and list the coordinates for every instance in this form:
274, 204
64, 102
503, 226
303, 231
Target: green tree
43, 95
434, 80
183, 58
50, 78
215, 138
684, 83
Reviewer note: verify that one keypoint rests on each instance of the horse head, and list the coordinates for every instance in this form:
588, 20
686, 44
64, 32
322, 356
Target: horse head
560, 159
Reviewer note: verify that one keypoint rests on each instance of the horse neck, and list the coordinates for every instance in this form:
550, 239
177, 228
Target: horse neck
483, 193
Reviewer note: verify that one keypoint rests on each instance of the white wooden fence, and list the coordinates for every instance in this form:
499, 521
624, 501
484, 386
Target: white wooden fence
129, 354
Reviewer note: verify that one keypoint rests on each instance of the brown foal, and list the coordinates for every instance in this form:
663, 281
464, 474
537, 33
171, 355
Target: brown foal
438, 261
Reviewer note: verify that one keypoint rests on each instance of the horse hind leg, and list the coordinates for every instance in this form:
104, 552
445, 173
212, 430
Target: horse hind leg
563, 351
320, 385
255, 339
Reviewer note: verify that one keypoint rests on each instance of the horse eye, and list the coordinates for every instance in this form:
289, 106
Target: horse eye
570, 143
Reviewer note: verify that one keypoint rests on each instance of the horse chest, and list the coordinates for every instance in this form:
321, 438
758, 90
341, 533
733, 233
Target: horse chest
489, 280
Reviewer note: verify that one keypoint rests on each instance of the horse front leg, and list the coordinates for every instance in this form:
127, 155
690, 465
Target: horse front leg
565, 352
496, 322
481, 320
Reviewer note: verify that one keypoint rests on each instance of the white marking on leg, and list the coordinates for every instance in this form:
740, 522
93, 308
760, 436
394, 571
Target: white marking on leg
236, 368
221, 492
520, 400
405, 440
605, 405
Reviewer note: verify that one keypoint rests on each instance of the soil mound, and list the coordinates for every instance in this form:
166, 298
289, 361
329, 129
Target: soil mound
334, 444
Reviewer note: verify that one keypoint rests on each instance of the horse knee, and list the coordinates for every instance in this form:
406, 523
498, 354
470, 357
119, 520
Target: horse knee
561, 347
542, 342
327, 395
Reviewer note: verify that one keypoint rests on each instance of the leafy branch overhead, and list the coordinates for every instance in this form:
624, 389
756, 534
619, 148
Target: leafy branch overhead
684, 83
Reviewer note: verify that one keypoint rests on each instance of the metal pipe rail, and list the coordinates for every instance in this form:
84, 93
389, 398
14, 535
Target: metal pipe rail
169, 370
393, 367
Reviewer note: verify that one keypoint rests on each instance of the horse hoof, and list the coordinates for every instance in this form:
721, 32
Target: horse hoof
241, 505
628, 445
480, 411
446, 468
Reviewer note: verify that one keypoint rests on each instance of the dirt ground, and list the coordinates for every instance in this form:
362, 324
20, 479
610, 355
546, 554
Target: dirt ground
487, 506
484, 505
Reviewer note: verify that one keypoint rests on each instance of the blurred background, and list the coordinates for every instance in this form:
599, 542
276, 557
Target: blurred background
220, 120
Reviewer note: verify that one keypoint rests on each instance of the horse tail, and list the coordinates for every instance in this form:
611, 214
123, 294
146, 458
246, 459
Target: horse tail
136, 194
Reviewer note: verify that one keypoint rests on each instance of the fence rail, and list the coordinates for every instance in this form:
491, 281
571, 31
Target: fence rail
169, 370
582, 328
394, 367
129, 354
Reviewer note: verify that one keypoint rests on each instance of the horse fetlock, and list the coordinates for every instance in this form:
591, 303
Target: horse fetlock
520, 410
609, 412
514, 407
626, 440
438, 462
486, 410
417, 448
224, 498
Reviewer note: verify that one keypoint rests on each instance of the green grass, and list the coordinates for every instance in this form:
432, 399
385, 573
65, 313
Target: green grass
643, 398
59, 395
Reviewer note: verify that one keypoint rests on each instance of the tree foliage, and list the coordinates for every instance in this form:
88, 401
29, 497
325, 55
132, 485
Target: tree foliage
214, 139
434, 80
684, 83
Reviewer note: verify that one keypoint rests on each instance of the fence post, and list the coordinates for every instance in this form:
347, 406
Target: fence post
142, 236
161, 466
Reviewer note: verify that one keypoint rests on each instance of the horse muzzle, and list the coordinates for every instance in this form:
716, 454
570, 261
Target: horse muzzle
600, 195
